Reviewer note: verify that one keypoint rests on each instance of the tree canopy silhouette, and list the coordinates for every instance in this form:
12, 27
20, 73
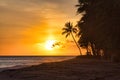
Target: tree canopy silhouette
100, 25
69, 29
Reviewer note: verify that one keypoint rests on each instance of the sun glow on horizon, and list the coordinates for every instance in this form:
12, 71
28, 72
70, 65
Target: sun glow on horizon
49, 44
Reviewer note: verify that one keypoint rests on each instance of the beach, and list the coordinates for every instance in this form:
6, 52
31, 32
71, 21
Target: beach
15, 62
73, 69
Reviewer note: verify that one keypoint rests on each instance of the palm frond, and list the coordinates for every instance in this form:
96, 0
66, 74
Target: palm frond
64, 32
78, 5
74, 30
67, 35
76, 25
69, 25
68, 28
79, 33
65, 29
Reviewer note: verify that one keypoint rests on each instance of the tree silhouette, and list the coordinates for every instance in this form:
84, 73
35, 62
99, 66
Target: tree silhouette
69, 30
100, 25
84, 39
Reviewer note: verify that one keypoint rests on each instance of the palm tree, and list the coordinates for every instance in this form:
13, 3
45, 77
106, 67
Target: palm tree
69, 30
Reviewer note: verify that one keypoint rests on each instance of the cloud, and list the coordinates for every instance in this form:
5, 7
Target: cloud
30, 21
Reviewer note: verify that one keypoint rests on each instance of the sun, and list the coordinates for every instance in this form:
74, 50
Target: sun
49, 44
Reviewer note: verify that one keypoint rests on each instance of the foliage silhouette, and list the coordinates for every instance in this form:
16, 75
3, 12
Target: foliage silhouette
100, 25
69, 30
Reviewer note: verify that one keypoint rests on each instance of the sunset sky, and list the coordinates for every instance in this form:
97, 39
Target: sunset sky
27, 27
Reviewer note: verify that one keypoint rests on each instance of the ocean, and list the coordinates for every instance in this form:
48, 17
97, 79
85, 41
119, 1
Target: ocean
14, 62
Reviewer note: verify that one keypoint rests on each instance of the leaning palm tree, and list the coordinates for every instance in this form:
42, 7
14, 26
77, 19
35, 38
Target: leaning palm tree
69, 30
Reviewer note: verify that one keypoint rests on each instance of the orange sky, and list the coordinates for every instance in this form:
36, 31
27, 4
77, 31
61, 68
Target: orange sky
26, 25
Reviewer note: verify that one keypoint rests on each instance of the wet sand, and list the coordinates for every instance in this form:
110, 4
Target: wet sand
73, 69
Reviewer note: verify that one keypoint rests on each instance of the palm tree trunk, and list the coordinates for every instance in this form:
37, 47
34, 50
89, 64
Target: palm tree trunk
87, 49
93, 49
76, 44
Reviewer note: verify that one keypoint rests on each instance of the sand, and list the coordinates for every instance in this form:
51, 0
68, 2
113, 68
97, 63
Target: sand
74, 69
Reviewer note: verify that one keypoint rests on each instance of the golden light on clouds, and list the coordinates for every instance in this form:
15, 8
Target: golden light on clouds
34, 27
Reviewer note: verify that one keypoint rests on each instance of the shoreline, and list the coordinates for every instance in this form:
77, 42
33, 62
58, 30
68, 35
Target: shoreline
26, 61
13, 67
73, 69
